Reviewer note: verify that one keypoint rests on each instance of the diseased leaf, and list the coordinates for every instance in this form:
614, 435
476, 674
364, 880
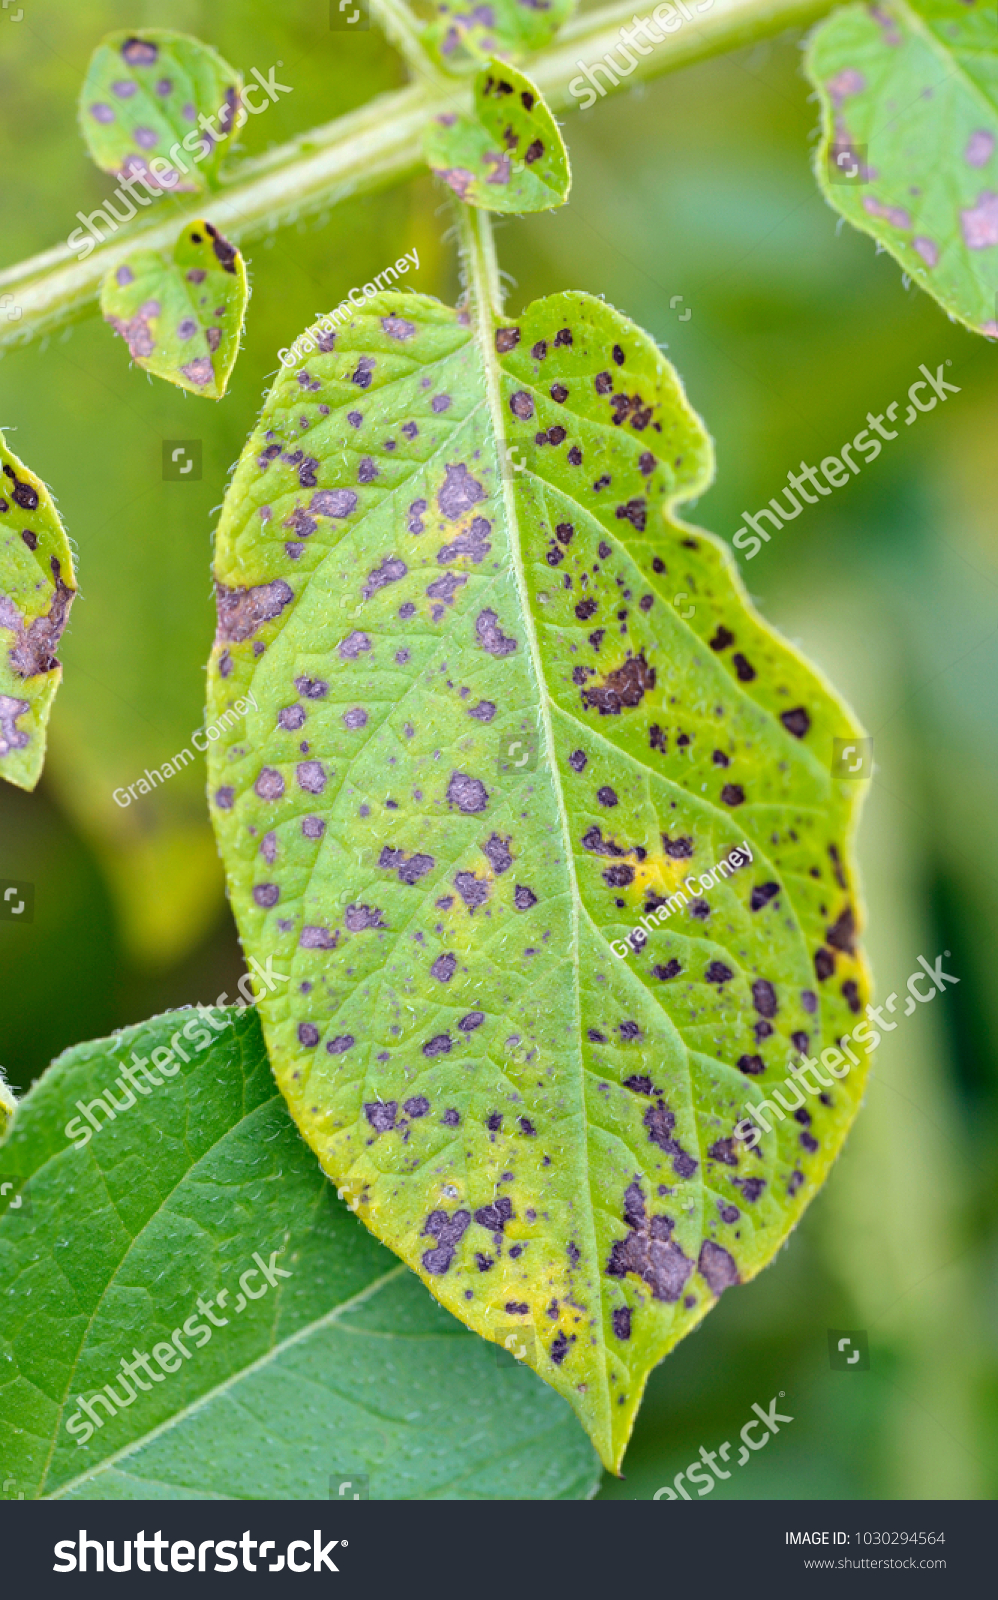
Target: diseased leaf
37, 588
501, 28
181, 312
486, 746
909, 95
508, 156
194, 1231
141, 107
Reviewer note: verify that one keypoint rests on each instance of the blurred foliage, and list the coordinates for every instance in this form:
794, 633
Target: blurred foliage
697, 186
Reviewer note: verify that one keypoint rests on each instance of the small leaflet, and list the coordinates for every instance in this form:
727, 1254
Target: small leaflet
160, 108
37, 588
181, 312
509, 155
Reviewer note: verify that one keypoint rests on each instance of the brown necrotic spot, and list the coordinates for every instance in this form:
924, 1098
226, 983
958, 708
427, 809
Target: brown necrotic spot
444, 967
473, 891
717, 1267
381, 1114
448, 1232
622, 1322
624, 687
649, 1251
752, 1066
224, 797
521, 404
473, 1020
524, 898
732, 794
718, 972
762, 893
491, 637
507, 339
359, 918
199, 371
498, 853
291, 717
355, 718
315, 938
390, 571
313, 827
796, 721
339, 1045
266, 895
225, 252
242, 611
269, 784
723, 1150
308, 1035
354, 645
440, 1045
659, 1122
310, 776
398, 327
11, 736
139, 52
764, 997
842, 934
473, 542
824, 964
459, 491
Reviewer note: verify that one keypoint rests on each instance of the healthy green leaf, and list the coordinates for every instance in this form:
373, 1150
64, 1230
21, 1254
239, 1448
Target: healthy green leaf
181, 312
37, 588
486, 744
503, 27
508, 156
159, 108
909, 95
282, 1346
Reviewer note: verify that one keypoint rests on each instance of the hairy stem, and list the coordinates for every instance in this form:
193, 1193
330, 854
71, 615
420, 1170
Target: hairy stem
399, 26
364, 151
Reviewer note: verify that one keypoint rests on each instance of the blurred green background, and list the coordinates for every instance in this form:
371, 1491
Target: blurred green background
699, 186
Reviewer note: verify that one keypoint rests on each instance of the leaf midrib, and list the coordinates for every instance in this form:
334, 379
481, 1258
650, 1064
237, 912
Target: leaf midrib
485, 337
230, 1382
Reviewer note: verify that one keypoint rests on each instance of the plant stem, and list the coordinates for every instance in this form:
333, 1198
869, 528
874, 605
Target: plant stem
478, 251
364, 151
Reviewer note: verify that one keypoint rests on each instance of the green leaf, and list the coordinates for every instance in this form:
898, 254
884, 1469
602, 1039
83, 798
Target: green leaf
140, 106
37, 588
909, 96
181, 312
317, 1358
506, 701
508, 156
504, 27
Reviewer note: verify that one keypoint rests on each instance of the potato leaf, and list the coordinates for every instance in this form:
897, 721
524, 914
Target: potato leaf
181, 313
200, 1194
508, 156
462, 32
486, 745
37, 588
909, 95
142, 105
